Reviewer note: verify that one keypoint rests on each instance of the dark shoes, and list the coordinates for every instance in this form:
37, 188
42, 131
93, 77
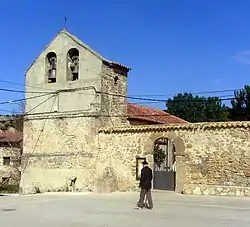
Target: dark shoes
148, 207
145, 205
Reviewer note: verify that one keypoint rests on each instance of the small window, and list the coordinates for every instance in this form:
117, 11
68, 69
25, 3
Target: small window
5, 180
6, 161
116, 80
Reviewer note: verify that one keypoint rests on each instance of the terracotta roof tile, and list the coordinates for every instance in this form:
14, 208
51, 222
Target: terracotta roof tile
11, 136
146, 113
188, 126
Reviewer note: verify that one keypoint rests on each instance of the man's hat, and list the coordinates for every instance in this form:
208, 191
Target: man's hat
144, 162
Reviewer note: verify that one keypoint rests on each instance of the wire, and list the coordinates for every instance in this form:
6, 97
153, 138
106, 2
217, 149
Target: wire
75, 113
21, 113
24, 92
157, 100
136, 116
152, 102
8, 111
117, 95
130, 97
196, 93
40, 104
24, 85
20, 100
41, 131
200, 101
139, 95
172, 102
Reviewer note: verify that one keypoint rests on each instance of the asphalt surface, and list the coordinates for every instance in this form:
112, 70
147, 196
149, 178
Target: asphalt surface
117, 209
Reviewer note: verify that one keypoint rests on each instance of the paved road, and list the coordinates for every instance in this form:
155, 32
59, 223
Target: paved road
102, 210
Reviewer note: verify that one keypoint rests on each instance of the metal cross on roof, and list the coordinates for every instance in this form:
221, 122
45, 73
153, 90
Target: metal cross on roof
65, 22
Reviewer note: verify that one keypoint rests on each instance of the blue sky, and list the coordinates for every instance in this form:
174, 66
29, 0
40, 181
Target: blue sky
172, 46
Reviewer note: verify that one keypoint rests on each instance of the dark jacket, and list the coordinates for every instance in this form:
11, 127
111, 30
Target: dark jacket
146, 178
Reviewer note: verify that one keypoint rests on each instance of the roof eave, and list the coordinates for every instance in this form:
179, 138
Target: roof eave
116, 65
141, 119
188, 126
155, 121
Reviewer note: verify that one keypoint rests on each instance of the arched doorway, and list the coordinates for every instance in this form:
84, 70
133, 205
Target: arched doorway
164, 164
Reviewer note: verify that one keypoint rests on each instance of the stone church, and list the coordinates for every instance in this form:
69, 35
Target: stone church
71, 92
80, 132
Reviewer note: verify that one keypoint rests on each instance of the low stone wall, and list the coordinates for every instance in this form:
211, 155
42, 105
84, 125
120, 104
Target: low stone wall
212, 158
218, 190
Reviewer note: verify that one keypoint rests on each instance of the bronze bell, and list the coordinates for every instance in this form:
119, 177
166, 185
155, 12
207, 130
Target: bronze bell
74, 65
74, 68
52, 73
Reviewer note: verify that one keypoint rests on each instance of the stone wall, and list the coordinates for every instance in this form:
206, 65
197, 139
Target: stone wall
9, 169
212, 158
10, 149
63, 145
11, 123
57, 149
114, 92
60, 131
72, 95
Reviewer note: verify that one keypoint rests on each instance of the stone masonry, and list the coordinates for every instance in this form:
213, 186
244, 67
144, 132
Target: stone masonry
114, 101
10, 150
212, 158
10, 158
77, 137
56, 150
61, 126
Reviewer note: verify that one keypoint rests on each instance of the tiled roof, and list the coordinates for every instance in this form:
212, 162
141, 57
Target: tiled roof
78, 41
146, 113
188, 126
11, 136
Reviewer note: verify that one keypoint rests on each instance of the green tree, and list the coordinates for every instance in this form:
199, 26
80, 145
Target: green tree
197, 108
215, 110
159, 155
240, 110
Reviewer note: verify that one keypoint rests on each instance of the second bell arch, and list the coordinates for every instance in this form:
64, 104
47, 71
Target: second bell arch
73, 64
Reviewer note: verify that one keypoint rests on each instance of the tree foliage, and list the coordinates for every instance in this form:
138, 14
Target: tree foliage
159, 155
197, 108
194, 108
240, 110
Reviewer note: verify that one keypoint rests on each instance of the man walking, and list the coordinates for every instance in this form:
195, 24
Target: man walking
145, 185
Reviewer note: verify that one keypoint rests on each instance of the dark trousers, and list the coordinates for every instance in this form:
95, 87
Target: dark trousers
147, 193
